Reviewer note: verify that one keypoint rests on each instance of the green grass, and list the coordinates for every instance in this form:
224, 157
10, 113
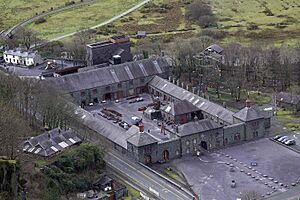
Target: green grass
15, 11
285, 114
132, 192
291, 126
235, 15
172, 174
86, 16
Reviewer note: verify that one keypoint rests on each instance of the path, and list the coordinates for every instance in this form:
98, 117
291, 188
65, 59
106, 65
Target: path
32, 19
106, 22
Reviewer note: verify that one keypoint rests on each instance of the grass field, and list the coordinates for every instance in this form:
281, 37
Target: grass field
15, 11
234, 17
276, 20
83, 17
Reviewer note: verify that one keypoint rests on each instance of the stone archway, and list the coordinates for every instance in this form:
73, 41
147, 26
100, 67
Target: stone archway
166, 155
203, 145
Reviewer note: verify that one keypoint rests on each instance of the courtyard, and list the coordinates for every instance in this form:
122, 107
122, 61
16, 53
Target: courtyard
262, 166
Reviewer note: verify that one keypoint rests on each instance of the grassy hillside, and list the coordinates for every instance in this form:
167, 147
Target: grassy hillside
15, 11
83, 17
262, 20
243, 21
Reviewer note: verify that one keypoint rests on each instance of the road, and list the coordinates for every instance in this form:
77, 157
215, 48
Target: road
146, 179
104, 23
30, 20
292, 194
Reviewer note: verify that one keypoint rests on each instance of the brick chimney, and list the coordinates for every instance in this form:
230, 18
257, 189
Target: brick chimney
248, 103
141, 127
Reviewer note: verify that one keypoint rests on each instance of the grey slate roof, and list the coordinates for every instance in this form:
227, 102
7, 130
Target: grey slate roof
140, 139
179, 108
197, 127
249, 114
286, 97
20, 53
51, 142
111, 74
181, 94
216, 48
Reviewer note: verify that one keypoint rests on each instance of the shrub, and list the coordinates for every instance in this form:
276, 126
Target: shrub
207, 21
198, 9
40, 20
68, 3
252, 26
214, 33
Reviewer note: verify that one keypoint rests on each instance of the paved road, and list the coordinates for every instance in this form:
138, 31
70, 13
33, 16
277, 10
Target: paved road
30, 20
146, 179
293, 194
106, 22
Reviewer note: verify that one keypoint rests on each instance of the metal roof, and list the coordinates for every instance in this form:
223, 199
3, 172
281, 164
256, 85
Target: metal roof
197, 127
111, 74
182, 94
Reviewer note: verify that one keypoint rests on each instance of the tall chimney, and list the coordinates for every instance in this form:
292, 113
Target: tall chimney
141, 127
178, 82
248, 103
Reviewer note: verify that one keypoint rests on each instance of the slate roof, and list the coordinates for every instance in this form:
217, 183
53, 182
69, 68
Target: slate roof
140, 139
51, 142
197, 127
111, 74
249, 114
288, 98
201, 103
179, 108
20, 53
216, 48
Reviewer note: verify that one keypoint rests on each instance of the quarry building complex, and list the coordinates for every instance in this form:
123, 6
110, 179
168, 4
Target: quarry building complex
144, 113
174, 121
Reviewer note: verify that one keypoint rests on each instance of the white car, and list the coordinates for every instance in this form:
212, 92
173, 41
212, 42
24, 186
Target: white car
104, 101
285, 140
117, 101
282, 138
290, 142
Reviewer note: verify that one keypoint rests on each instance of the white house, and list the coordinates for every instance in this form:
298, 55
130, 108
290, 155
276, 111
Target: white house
23, 58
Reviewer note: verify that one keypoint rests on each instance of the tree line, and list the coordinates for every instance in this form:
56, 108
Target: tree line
26, 106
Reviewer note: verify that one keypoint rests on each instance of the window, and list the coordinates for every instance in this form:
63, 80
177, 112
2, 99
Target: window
82, 93
195, 141
131, 82
119, 85
142, 80
177, 152
107, 88
95, 91
187, 143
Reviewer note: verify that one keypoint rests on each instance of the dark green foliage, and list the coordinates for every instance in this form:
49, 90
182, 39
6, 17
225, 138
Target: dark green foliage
40, 20
69, 172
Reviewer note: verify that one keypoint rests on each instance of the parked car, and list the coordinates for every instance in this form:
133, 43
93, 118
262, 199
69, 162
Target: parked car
277, 137
91, 104
117, 101
139, 99
285, 140
143, 108
282, 138
104, 101
132, 101
290, 142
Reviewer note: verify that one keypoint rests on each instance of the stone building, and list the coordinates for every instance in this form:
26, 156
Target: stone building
22, 58
113, 51
113, 82
196, 124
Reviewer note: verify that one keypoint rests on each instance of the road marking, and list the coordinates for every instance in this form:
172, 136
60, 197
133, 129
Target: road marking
137, 171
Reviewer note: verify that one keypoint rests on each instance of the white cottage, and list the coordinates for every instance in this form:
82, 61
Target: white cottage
23, 58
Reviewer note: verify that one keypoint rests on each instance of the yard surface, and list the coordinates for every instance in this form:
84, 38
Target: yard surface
86, 16
210, 174
15, 11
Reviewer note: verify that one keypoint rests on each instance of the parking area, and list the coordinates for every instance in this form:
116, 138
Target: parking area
126, 109
262, 166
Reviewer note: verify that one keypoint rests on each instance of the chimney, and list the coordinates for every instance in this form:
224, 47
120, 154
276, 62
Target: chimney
194, 90
174, 81
178, 82
248, 103
141, 127
187, 87
170, 78
59, 131
182, 85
